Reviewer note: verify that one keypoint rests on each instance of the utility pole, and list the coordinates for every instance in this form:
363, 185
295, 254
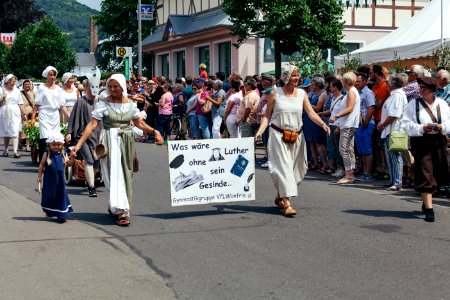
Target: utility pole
139, 40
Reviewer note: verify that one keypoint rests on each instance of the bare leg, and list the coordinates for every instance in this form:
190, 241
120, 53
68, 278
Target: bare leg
427, 200
15, 142
323, 153
6, 143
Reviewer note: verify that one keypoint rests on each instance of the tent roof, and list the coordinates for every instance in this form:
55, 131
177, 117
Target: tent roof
416, 38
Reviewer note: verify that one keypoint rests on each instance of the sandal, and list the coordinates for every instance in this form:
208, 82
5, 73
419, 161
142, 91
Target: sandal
279, 203
323, 170
123, 220
5, 154
17, 155
289, 211
345, 180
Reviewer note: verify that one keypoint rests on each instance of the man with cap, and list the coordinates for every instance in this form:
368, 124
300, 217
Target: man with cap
412, 89
442, 81
426, 120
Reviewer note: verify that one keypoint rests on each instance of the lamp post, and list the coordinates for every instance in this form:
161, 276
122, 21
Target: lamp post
139, 40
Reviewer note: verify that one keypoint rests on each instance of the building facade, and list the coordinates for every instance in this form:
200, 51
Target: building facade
190, 32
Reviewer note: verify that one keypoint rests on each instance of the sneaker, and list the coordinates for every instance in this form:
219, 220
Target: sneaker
364, 177
338, 173
393, 188
92, 192
265, 165
262, 160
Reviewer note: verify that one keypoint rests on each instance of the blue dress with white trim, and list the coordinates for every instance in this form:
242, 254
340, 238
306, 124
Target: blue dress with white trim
55, 201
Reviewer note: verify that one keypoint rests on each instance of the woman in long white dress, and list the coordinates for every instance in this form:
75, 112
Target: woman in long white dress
49, 103
11, 114
115, 113
288, 161
70, 92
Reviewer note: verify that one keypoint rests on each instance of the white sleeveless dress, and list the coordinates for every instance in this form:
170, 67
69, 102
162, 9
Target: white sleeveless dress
287, 162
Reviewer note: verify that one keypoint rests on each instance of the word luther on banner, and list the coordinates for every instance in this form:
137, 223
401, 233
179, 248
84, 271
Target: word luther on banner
211, 171
146, 12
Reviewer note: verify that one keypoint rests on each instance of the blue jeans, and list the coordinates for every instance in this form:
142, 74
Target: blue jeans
204, 121
193, 124
395, 165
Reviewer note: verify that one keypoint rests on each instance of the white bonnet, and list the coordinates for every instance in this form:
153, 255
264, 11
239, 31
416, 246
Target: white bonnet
121, 80
287, 73
55, 137
48, 69
66, 76
7, 78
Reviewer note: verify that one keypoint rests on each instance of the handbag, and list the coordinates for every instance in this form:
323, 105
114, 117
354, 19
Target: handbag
398, 141
206, 107
288, 136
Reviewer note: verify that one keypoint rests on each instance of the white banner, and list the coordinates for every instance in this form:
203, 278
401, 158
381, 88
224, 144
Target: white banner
211, 171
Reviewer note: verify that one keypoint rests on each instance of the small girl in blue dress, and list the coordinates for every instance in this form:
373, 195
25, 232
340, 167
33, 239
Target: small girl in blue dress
55, 201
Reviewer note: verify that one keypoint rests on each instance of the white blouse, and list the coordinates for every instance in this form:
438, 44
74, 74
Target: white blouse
51, 99
70, 97
352, 119
101, 109
409, 120
393, 107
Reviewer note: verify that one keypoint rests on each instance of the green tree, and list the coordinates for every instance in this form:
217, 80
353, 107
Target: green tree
294, 25
17, 14
38, 46
3, 54
118, 21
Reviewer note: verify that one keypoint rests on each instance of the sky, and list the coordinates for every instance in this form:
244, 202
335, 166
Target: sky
95, 4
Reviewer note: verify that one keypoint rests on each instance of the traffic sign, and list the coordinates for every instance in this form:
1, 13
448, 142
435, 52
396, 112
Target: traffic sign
123, 51
146, 12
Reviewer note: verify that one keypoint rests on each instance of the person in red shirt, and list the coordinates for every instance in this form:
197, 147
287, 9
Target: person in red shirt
203, 73
381, 91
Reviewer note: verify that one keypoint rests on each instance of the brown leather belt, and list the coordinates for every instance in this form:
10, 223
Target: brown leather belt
281, 130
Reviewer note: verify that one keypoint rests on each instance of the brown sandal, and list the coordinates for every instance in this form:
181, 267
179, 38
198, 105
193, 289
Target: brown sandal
279, 203
289, 211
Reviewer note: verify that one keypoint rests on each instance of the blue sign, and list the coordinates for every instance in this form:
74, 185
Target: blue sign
146, 12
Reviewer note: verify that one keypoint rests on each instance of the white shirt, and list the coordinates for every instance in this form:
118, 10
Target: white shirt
336, 108
49, 101
352, 119
393, 107
409, 120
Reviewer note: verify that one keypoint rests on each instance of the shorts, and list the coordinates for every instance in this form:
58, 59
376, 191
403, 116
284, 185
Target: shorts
363, 139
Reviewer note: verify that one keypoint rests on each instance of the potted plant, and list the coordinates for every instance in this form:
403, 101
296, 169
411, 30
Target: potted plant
33, 135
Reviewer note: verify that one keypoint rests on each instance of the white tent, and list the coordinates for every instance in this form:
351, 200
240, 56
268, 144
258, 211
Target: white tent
416, 38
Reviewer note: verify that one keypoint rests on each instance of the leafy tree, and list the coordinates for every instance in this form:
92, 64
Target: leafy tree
294, 25
17, 14
37, 46
118, 21
3, 54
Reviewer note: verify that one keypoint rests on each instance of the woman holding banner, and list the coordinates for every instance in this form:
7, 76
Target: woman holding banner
287, 147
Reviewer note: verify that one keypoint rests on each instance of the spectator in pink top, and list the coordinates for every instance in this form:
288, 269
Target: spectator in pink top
165, 111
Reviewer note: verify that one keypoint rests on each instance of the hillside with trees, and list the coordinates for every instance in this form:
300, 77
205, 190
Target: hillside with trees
72, 18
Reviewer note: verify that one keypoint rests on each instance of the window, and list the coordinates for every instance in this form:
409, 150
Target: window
164, 65
180, 64
203, 57
224, 58
349, 47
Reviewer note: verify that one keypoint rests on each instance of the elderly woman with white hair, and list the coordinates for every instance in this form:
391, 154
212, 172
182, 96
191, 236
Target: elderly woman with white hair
115, 112
11, 114
70, 92
287, 146
218, 107
49, 103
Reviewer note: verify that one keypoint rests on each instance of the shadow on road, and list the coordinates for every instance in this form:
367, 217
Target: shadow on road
188, 214
251, 208
386, 213
95, 218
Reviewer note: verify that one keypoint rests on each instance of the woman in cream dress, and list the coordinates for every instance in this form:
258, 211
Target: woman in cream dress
11, 114
288, 164
115, 112
70, 92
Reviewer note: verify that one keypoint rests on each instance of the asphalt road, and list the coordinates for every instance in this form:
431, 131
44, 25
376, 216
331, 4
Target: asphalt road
346, 242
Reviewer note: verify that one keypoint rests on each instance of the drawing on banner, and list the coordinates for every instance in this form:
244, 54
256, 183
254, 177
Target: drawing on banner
216, 155
210, 171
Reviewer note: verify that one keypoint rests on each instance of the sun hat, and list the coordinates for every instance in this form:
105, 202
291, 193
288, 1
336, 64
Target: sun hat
428, 82
48, 69
66, 76
55, 137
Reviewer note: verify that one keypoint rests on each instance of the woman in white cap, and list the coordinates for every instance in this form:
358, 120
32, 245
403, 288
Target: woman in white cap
287, 146
115, 112
70, 92
49, 103
11, 114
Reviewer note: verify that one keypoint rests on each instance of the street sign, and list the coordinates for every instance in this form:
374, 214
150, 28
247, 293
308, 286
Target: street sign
146, 12
123, 51
127, 68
